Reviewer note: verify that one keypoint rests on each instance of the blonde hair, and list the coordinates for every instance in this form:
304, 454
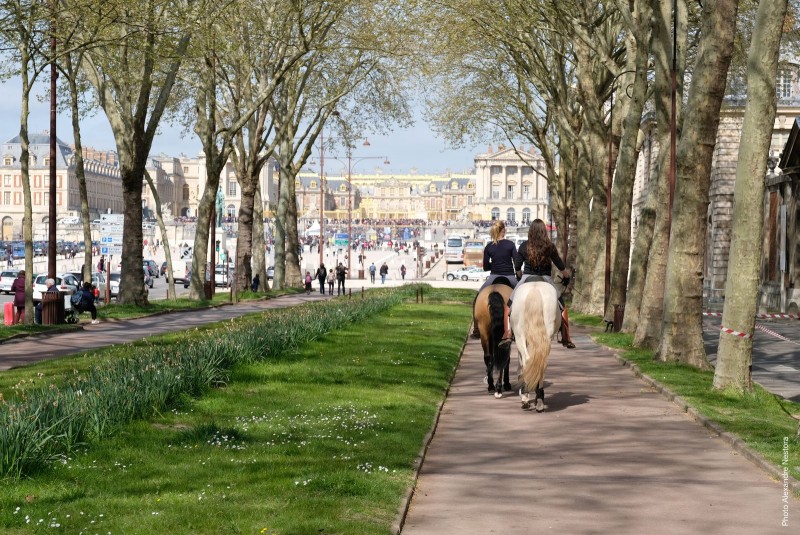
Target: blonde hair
498, 227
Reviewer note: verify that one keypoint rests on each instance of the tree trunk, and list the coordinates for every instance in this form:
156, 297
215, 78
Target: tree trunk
80, 172
626, 163
641, 250
200, 251
682, 328
24, 161
293, 272
244, 242
735, 354
132, 170
648, 328
259, 248
164, 237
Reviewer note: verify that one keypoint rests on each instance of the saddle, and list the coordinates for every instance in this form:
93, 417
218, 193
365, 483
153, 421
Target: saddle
503, 280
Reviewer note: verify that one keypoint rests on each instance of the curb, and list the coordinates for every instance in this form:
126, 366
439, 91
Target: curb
732, 440
405, 503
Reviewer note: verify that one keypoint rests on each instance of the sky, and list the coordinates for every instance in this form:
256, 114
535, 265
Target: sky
414, 149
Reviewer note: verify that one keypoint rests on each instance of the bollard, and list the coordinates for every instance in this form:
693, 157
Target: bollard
619, 315
421, 296
349, 293
361, 274
416, 295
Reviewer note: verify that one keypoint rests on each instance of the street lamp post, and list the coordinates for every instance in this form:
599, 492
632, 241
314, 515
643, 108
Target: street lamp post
351, 162
321, 192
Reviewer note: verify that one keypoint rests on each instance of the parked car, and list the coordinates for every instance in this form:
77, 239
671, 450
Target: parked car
151, 266
270, 272
469, 273
188, 278
114, 283
67, 283
164, 269
6, 278
148, 280
223, 277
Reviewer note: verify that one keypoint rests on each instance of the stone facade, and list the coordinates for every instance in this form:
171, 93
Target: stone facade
723, 177
510, 184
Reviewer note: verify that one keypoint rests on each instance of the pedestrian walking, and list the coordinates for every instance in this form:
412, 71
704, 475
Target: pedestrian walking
331, 280
308, 282
384, 272
372, 273
321, 275
18, 289
341, 272
403, 271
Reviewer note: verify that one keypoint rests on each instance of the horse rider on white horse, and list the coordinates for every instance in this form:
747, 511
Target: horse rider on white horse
537, 254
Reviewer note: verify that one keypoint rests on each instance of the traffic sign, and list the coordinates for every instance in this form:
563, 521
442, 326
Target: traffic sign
114, 219
111, 249
108, 230
341, 239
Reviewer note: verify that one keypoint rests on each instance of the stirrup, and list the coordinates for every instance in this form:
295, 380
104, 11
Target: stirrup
505, 342
568, 344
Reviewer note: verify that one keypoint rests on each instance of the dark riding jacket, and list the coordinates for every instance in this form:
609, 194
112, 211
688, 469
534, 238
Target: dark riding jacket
544, 267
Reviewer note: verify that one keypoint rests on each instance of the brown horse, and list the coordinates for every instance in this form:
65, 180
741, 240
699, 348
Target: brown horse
488, 314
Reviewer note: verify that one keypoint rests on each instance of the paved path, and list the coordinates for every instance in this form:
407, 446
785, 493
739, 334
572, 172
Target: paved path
609, 455
27, 350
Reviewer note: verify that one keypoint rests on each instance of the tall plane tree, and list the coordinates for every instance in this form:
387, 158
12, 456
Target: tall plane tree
735, 354
682, 329
133, 75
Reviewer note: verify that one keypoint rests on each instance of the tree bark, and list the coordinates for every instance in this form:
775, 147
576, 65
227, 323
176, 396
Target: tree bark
641, 250
648, 328
259, 247
735, 354
625, 174
80, 172
682, 329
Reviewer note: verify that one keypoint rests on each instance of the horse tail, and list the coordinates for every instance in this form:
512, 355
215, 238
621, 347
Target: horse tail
536, 340
497, 327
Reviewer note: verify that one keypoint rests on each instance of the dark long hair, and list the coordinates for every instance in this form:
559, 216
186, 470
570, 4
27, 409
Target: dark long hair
539, 244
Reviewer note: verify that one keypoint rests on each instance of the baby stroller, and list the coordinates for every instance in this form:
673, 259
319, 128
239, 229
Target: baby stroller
72, 308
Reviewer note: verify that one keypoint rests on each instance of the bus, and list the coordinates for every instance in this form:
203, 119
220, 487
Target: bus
454, 250
473, 253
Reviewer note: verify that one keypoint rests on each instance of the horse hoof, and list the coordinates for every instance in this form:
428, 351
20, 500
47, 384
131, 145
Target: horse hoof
539, 405
490, 388
498, 395
486, 379
526, 405
507, 387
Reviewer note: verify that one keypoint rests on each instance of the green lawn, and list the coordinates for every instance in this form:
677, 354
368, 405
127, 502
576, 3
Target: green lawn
321, 439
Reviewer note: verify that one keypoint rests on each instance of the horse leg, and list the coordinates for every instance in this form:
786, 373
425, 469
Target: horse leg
487, 360
540, 398
507, 381
524, 397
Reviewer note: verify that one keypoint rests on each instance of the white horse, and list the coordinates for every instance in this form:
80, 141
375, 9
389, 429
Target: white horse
535, 319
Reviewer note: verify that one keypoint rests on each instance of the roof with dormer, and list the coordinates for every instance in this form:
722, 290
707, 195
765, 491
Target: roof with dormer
39, 148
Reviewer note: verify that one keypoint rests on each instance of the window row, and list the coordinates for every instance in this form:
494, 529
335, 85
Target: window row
40, 198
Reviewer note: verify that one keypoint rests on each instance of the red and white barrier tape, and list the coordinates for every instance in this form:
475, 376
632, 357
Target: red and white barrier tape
779, 316
776, 335
734, 333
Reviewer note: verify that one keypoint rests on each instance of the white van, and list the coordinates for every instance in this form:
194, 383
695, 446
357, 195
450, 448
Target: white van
454, 250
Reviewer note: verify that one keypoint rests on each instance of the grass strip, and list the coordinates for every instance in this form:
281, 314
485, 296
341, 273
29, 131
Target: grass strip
321, 438
52, 419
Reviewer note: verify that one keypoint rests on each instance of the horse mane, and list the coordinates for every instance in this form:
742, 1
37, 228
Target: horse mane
537, 340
